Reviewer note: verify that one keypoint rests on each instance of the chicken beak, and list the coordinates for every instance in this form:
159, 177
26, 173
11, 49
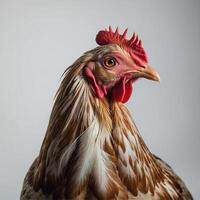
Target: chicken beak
149, 73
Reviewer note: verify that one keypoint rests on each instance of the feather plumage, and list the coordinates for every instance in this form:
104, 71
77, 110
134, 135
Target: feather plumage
93, 150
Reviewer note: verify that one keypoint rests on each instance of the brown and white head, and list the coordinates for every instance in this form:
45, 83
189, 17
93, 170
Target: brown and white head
116, 64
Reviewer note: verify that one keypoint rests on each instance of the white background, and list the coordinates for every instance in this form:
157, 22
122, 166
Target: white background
39, 39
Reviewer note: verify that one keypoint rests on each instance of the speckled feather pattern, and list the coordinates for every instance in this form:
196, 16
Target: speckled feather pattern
93, 150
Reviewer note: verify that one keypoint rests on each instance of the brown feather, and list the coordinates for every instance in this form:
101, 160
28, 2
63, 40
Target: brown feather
93, 150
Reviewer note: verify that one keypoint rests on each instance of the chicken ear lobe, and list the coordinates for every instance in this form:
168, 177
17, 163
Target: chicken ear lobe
92, 80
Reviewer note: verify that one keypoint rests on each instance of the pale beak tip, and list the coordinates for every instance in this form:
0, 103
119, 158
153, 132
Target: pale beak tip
157, 77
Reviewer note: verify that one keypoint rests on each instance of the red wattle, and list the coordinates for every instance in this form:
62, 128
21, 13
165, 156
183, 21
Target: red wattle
122, 91
128, 91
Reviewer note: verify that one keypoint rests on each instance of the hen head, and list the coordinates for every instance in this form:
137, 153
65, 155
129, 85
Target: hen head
116, 64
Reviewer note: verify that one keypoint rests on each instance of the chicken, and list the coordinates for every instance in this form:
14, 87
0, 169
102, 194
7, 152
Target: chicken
92, 148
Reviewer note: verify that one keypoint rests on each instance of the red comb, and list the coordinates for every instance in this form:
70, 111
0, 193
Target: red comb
134, 45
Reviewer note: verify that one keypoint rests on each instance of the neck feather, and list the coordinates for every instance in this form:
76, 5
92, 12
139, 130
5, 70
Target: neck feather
88, 137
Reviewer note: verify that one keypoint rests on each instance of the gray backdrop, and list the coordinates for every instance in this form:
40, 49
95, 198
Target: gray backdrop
39, 39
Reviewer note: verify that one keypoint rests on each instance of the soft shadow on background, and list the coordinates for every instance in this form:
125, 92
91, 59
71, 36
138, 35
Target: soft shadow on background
39, 39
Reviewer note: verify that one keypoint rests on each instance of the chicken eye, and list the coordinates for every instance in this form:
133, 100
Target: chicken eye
109, 62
